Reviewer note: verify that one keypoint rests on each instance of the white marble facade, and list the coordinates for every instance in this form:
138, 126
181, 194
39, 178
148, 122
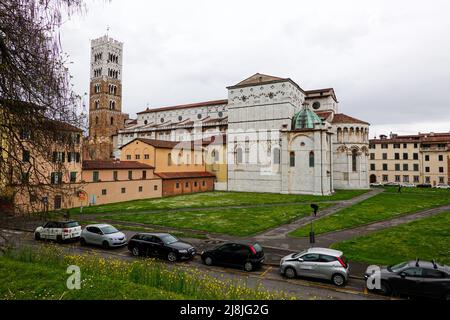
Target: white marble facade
266, 151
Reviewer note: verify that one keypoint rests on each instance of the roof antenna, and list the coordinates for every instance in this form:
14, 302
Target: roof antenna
417, 262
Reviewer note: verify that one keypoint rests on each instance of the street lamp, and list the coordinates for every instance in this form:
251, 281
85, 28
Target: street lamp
312, 238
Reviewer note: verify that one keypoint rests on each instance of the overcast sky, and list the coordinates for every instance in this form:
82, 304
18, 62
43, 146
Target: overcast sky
389, 61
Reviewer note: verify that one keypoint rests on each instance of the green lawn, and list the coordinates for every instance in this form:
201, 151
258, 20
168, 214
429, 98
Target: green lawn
383, 206
428, 239
31, 274
237, 222
213, 199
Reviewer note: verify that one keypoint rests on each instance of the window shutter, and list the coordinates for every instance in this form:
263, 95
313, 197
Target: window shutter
78, 157
55, 154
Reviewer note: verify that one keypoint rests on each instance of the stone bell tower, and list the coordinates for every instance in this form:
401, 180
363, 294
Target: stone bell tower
105, 97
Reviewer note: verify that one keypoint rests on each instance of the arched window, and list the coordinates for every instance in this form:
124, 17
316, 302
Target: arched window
97, 104
292, 159
96, 120
180, 158
354, 160
276, 156
239, 155
311, 159
112, 120
169, 159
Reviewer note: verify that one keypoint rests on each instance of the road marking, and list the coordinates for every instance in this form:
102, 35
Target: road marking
262, 275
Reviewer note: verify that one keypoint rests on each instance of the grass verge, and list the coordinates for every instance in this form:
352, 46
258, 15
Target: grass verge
427, 238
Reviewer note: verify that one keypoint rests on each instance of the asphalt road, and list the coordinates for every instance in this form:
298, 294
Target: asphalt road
268, 275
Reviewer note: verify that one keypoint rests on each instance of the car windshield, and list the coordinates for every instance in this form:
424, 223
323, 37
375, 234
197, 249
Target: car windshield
398, 267
109, 230
295, 256
169, 239
72, 224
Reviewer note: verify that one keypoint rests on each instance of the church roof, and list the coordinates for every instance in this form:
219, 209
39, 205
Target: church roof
186, 106
305, 119
259, 79
343, 118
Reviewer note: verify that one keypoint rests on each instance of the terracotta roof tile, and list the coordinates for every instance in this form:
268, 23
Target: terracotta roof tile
113, 164
186, 175
186, 106
343, 118
165, 144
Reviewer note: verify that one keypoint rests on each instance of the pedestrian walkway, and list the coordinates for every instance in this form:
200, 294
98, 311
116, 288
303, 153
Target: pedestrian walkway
282, 232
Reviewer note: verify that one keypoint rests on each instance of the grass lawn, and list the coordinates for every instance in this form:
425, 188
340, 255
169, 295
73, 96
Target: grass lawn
428, 239
213, 199
237, 222
41, 275
380, 207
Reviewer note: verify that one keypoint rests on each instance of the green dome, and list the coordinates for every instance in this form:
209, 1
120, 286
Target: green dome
305, 119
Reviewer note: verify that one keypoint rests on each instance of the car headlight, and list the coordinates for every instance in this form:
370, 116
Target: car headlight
182, 251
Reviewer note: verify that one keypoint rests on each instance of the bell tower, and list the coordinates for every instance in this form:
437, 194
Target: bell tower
105, 97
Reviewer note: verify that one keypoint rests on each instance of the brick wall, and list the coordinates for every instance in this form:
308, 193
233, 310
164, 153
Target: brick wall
170, 186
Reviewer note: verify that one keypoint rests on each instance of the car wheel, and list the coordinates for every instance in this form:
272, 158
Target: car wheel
172, 257
385, 288
82, 241
248, 266
37, 236
59, 239
105, 244
338, 280
136, 252
208, 261
290, 273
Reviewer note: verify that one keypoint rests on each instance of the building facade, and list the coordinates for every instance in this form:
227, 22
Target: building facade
266, 149
417, 159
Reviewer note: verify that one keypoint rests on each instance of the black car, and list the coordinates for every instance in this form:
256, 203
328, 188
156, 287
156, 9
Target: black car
414, 278
424, 185
162, 245
235, 254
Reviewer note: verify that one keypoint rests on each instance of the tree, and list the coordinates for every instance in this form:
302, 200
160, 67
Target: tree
38, 107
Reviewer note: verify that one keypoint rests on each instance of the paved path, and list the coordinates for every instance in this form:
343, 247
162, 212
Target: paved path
282, 231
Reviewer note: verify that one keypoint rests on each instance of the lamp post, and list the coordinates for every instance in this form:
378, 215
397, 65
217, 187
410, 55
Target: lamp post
312, 238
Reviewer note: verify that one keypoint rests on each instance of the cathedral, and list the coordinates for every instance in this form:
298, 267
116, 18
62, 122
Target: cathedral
269, 135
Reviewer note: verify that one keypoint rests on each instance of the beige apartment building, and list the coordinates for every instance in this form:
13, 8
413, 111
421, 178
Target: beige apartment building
417, 159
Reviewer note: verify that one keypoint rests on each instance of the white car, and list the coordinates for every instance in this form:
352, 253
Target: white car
59, 231
442, 186
408, 185
104, 235
376, 184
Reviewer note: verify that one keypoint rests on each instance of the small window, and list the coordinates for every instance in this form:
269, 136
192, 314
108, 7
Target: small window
177, 185
95, 176
316, 105
292, 159
140, 188
146, 156
73, 177
186, 185
128, 156
26, 156
123, 190
180, 118
130, 175
162, 120
311, 159
138, 157
144, 174
104, 192
220, 114
115, 175
195, 184
199, 116
155, 187
203, 183
441, 157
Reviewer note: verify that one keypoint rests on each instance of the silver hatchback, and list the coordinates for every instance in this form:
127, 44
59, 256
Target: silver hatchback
104, 235
321, 263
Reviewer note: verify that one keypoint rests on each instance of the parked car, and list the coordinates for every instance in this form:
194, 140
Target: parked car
246, 255
376, 184
442, 186
104, 235
392, 184
162, 245
318, 263
59, 231
424, 185
408, 185
414, 278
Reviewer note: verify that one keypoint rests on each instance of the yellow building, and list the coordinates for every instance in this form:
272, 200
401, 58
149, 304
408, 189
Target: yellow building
181, 165
215, 154
417, 159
